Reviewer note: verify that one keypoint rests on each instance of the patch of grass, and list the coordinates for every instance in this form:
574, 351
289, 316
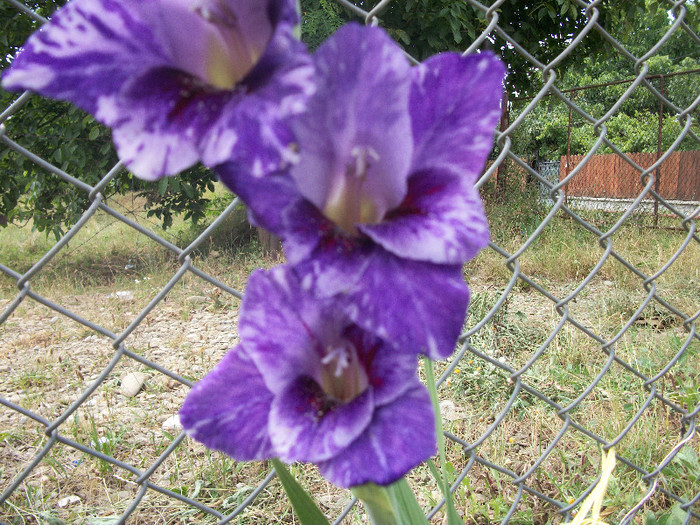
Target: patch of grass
107, 254
569, 365
566, 251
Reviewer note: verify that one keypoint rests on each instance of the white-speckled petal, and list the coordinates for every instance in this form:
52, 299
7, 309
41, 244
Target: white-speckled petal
442, 220
228, 409
400, 437
455, 106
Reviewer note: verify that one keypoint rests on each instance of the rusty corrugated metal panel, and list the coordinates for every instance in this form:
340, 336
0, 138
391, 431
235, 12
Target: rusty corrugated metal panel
611, 176
689, 176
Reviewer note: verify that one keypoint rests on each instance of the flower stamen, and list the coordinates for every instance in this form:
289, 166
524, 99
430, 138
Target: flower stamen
343, 377
349, 202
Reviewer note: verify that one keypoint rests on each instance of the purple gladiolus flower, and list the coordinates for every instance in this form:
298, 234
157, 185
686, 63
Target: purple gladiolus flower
380, 204
179, 81
307, 384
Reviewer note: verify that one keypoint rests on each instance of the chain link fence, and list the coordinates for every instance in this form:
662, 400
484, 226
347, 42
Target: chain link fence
549, 374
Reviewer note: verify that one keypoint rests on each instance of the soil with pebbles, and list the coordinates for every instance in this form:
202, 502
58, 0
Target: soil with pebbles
47, 363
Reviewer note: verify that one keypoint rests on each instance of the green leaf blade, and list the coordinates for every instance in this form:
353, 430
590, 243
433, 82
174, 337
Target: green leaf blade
405, 501
443, 480
304, 507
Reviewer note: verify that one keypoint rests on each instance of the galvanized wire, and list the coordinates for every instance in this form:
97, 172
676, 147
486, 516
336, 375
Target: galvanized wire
525, 490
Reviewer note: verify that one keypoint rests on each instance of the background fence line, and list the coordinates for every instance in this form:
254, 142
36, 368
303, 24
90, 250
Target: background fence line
529, 396
610, 176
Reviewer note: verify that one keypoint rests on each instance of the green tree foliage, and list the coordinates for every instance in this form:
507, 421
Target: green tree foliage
543, 28
75, 143
634, 126
320, 19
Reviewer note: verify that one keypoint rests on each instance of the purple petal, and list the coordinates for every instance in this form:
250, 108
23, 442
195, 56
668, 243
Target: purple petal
441, 220
218, 41
86, 53
400, 437
306, 425
357, 127
280, 342
166, 120
389, 370
337, 266
153, 129
431, 299
268, 198
252, 128
455, 106
179, 81
228, 409
274, 203
285, 329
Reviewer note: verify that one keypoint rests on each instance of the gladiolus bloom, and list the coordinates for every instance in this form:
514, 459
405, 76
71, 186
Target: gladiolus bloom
307, 384
379, 203
178, 81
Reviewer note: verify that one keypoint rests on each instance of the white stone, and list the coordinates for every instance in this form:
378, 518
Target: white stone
197, 299
123, 295
69, 500
172, 423
448, 410
132, 383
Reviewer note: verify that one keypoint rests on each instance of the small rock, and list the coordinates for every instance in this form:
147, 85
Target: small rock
172, 423
54, 320
124, 295
608, 283
448, 410
197, 299
132, 383
70, 500
333, 501
166, 382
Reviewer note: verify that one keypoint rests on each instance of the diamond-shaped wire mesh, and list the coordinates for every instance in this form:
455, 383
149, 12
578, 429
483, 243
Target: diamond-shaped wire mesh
547, 376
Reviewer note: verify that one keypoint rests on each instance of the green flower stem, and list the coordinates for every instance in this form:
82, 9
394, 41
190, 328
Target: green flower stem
297, 28
391, 505
377, 503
